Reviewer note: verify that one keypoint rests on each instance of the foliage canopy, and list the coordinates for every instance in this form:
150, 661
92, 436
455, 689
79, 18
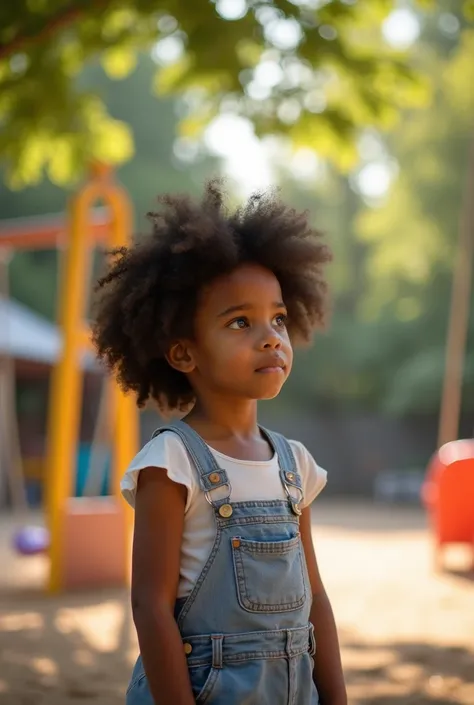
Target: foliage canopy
311, 69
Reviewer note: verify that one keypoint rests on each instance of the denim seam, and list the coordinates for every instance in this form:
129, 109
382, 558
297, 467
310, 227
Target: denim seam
250, 656
191, 440
190, 601
248, 521
237, 637
135, 682
280, 547
312, 642
262, 503
208, 686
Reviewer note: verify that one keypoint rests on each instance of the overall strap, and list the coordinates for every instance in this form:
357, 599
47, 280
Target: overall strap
289, 474
210, 475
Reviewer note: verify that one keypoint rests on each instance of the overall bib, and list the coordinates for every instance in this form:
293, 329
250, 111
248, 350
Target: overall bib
245, 626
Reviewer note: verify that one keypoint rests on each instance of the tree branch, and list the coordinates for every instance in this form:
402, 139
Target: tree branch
63, 19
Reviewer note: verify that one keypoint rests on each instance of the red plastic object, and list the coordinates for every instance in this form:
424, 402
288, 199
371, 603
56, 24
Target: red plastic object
448, 495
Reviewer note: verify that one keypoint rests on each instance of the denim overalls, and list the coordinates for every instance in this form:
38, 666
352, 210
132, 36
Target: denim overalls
245, 626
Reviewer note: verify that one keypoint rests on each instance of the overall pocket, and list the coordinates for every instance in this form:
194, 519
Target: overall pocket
269, 574
203, 680
138, 692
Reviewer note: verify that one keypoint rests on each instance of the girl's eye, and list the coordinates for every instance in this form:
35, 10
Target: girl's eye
280, 320
238, 324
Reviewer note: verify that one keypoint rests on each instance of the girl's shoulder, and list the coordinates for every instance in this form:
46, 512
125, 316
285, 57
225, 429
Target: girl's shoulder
165, 452
313, 476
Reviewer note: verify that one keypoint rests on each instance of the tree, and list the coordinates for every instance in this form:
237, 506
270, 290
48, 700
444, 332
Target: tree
384, 350
153, 169
315, 71
391, 278
412, 238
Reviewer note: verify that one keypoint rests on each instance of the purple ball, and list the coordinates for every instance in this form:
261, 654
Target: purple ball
31, 540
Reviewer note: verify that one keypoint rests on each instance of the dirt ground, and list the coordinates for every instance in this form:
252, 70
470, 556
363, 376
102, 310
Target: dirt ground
407, 634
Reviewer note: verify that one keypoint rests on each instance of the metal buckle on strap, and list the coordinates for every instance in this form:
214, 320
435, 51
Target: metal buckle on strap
294, 503
207, 493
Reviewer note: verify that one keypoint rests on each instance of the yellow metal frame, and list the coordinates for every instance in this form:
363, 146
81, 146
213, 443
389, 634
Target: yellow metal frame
66, 386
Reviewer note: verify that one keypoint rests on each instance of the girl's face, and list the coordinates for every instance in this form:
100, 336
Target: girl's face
241, 346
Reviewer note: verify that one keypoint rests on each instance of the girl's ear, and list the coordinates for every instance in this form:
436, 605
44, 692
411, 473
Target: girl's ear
180, 357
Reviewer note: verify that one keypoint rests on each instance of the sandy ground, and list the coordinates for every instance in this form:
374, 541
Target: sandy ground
407, 634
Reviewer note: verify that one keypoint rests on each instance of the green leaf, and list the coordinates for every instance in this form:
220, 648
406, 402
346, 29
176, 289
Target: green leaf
468, 9
119, 61
113, 143
171, 78
363, 81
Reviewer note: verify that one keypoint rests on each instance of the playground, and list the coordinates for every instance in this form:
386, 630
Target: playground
66, 635
406, 632
365, 121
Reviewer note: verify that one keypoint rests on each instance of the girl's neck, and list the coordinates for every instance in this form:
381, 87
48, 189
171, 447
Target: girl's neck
224, 420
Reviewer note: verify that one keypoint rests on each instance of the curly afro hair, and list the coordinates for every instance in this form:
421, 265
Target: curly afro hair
148, 297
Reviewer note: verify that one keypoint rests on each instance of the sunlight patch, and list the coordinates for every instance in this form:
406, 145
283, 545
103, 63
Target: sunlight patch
100, 625
23, 620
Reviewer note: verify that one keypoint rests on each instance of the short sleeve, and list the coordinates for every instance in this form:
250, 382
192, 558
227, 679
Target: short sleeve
313, 476
165, 451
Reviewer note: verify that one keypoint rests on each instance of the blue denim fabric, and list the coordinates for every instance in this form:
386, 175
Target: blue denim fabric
246, 622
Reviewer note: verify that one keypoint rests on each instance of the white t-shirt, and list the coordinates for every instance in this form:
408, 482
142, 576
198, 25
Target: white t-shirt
250, 480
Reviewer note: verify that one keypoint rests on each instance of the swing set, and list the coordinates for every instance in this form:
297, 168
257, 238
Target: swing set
88, 536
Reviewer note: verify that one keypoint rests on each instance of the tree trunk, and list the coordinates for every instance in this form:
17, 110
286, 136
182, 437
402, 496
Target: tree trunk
451, 399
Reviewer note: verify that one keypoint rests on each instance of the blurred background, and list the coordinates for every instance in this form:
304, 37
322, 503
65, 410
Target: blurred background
361, 111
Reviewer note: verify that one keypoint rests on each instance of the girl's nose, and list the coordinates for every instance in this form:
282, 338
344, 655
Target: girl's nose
271, 340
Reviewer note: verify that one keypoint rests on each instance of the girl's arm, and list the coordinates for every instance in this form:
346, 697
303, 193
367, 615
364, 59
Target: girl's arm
159, 519
328, 675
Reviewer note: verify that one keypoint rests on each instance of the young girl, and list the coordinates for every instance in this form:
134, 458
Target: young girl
227, 598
